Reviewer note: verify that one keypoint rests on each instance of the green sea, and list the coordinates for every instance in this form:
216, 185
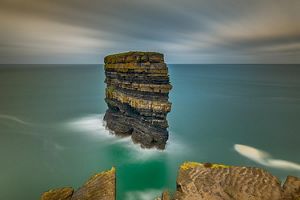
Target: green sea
52, 133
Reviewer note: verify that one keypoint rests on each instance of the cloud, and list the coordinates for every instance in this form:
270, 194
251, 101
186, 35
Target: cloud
193, 31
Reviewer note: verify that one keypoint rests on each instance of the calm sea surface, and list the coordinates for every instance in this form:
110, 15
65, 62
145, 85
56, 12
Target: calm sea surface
52, 134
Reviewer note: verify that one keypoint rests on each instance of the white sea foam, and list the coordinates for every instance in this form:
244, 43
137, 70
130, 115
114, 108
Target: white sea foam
94, 126
143, 195
14, 119
264, 158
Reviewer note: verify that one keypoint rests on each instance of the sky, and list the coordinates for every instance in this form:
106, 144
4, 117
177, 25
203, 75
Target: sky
186, 31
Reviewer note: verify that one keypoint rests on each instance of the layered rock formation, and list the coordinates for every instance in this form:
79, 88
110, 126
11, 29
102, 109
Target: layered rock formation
207, 181
100, 186
137, 97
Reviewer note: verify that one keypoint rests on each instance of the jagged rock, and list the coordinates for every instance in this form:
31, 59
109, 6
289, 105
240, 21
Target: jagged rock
137, 97
291, 188
58, 194
198, 181
100, 186
165, 196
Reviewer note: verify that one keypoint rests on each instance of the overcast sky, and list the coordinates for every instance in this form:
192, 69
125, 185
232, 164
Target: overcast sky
186, 31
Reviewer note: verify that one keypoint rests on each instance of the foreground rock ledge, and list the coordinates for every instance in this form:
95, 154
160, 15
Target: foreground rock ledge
137, 97
197, 181
100, 186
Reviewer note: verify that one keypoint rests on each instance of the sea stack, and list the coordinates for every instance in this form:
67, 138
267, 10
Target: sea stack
137, 96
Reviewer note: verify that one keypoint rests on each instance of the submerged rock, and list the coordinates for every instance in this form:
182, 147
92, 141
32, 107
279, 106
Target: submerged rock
100, 186
137, 97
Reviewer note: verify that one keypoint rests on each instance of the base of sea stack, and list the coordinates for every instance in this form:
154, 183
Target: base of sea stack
140, 133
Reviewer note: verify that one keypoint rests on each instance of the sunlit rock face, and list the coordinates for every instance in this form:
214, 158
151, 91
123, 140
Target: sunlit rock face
214, 182
291, 188
100, 186
206, 181
137, 97
60, 193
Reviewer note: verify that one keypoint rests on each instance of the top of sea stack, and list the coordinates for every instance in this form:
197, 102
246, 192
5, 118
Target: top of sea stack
134, 57
137, 97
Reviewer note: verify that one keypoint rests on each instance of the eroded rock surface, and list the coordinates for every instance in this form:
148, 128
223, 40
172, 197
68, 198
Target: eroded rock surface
101, 186
291, 188
58, 194
197, 181
137, 97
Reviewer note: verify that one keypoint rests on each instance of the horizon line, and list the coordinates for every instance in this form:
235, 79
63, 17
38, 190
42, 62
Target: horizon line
166, 63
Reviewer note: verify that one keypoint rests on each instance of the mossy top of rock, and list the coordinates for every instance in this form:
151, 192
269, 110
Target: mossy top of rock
188, 165
100, 186
134, 57
60, 193
109, 173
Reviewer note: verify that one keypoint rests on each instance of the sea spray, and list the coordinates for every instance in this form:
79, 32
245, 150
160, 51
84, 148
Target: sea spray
264, 158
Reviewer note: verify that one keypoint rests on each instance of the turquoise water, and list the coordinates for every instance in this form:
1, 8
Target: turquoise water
52, 134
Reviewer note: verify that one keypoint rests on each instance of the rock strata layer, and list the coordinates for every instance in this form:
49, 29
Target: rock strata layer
100, 186
58, 194
137, 97
197, 181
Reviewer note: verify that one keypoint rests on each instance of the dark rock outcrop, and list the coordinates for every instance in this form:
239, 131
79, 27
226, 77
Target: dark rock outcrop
137, 97
197, 181
100, 186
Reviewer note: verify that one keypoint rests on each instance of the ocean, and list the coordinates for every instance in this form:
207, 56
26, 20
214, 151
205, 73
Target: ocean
52, 132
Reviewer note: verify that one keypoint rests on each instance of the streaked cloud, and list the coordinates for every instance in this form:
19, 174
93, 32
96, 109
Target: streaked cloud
192, 31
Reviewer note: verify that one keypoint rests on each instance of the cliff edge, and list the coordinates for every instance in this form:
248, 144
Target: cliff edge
206, 181
100, 186
195, 181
